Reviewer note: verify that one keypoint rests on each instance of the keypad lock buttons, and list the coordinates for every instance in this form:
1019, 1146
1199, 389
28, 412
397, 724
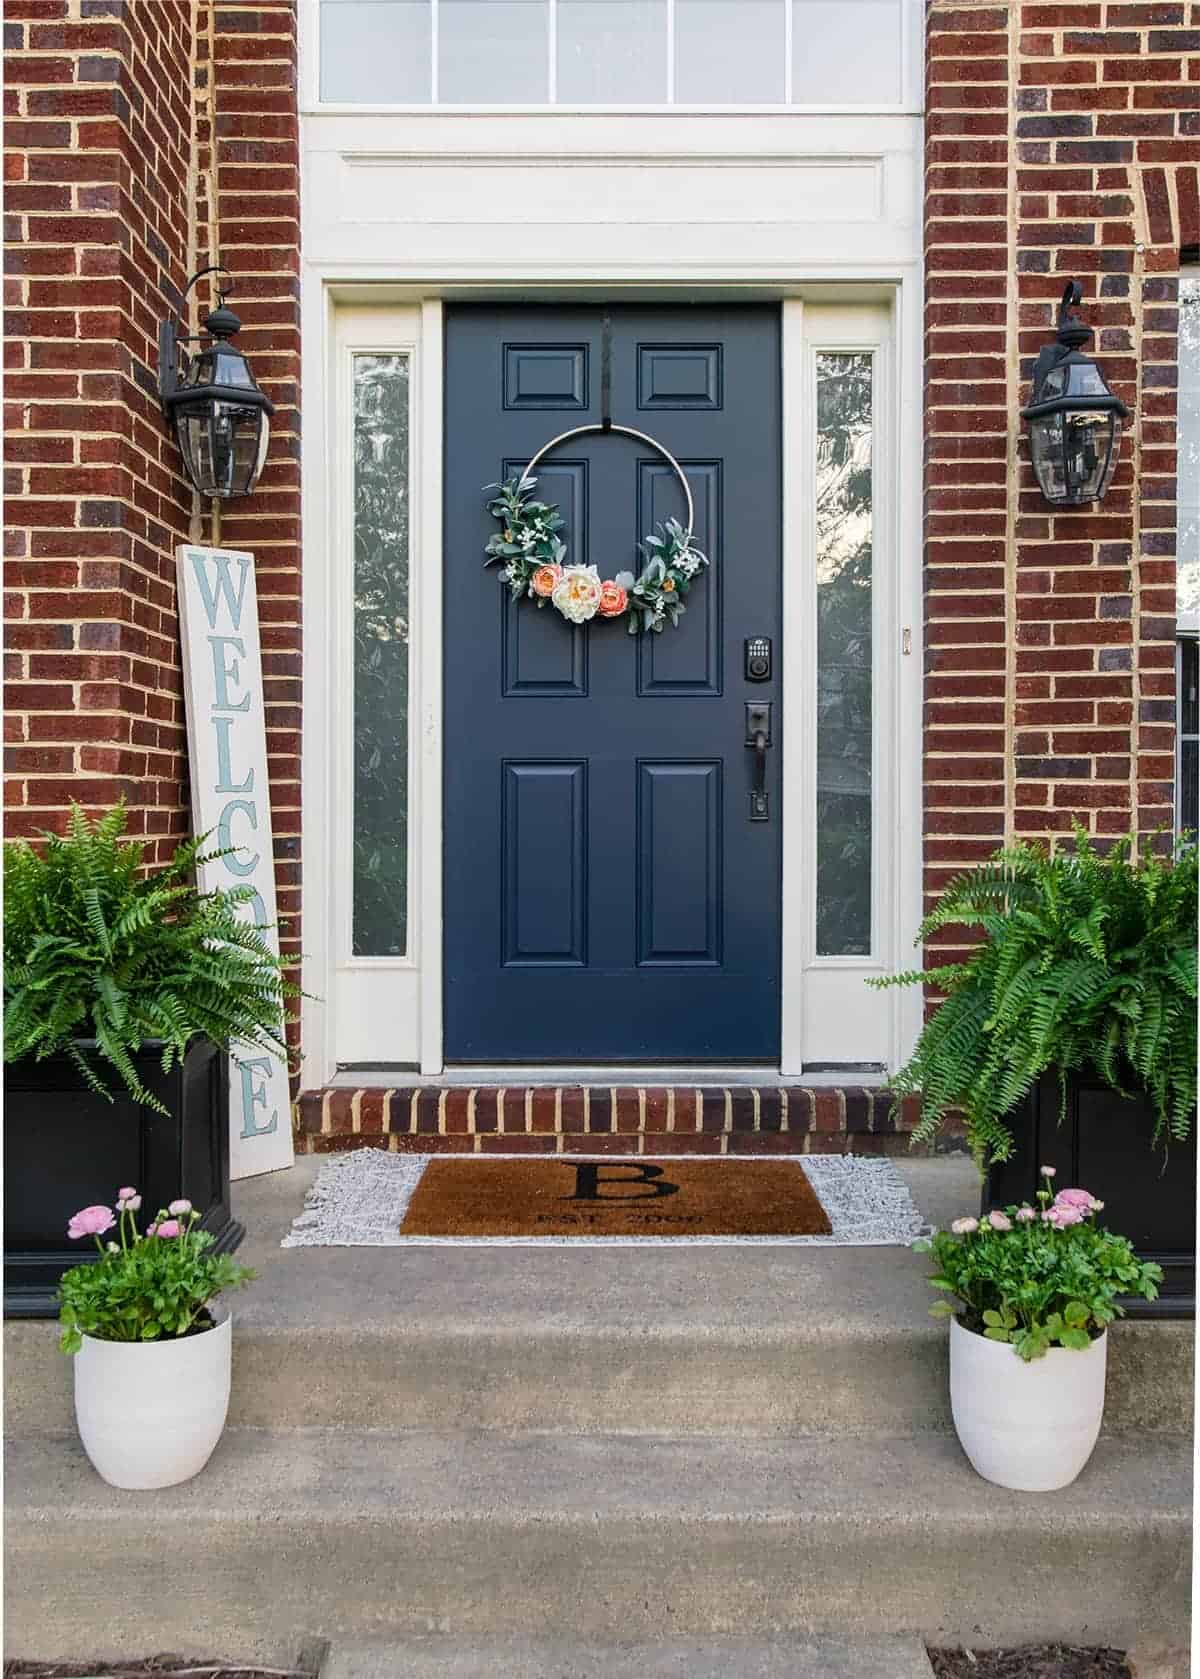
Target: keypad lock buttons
758, 658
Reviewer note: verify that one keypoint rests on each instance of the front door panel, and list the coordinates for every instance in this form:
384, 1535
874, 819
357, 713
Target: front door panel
607, 895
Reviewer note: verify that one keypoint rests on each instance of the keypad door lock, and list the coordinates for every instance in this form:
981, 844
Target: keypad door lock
758, 658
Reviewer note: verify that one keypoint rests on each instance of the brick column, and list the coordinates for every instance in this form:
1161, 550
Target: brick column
97, 161
256, 173
1104, 92
113, 112
1063, 143
967, 427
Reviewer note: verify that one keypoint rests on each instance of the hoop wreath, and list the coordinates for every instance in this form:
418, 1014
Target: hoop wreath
535, 556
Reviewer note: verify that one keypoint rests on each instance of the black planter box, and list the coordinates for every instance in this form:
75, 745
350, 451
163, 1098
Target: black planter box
1104, 1144
66, 1147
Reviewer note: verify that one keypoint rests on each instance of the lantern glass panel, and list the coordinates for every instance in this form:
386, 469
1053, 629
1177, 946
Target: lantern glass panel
220, 364
1074, 454
1088, 452
224, 446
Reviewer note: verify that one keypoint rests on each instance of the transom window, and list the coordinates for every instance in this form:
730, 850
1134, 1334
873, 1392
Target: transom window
611, 52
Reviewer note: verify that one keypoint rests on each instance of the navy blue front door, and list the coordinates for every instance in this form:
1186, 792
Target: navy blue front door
607, 895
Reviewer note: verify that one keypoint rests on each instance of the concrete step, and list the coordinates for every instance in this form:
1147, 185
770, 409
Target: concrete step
810, 1658
376, 1536
827, 1364
696, 1340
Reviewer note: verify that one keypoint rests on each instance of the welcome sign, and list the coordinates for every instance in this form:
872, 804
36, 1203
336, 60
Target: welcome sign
227, 745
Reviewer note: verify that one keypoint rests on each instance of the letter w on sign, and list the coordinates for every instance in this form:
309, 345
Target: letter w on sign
227, 751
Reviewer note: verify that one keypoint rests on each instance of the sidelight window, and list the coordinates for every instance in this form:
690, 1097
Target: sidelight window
844, 541
579, 53
382, 550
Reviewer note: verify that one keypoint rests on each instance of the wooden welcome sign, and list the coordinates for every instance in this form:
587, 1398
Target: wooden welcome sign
227, 747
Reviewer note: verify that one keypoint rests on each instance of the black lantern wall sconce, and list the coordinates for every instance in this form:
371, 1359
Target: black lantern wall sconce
1074, 419
221, 418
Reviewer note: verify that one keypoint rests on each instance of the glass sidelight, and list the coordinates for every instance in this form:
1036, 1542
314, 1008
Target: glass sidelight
382, 548
844, 533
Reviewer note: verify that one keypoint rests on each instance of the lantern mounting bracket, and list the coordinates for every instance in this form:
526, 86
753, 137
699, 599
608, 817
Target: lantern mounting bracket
210, 399
173, 359
1074, 418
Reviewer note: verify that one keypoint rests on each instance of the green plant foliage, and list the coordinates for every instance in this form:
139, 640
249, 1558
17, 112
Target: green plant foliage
146, 1288
1085, 963
1032, 1282
97, 947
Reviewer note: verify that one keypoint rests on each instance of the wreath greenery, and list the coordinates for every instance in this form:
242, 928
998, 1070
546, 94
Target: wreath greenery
535, 563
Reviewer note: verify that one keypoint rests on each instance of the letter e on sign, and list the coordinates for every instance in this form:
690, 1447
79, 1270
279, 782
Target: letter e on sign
227, 752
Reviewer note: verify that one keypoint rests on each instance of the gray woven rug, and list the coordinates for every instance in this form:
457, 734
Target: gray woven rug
359, 1200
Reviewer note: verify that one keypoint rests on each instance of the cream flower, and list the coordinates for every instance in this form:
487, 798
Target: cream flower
577, 593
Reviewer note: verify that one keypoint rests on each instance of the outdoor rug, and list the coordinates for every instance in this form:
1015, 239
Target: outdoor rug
375, 1199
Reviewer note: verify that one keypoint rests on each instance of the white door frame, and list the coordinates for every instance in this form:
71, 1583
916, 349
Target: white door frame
413, 987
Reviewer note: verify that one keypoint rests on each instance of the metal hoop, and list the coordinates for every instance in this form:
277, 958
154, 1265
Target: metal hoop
626, 431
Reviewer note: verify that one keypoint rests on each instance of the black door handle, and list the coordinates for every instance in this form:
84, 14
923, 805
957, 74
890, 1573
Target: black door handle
758, 737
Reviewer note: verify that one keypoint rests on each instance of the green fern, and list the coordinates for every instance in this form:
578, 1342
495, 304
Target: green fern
98, 948
1087, 964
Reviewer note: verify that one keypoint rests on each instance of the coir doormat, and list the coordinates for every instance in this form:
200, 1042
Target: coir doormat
374, 1199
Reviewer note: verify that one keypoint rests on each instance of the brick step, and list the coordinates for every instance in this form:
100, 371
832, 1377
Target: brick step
611, 1119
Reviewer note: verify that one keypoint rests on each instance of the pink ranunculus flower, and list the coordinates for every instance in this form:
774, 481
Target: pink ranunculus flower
999, 1221
1080, 1198
1061, 1217
90, 1221
129, 1203
1049, 1171
165, 1227
965, 1226
180, 1207
1026, 1213
126, 1194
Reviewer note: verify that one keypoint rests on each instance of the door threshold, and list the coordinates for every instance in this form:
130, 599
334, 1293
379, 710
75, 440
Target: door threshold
393, 1075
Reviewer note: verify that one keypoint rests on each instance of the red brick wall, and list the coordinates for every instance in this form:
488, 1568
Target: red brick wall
97, 163
111, 107
257, 170
1062, 143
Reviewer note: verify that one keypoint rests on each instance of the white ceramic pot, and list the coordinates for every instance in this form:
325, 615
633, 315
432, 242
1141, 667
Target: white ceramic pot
1030, 1426
151, 1412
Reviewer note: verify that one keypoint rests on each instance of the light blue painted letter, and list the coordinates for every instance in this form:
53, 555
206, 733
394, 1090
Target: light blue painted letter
224, 773
225, 835
255, 1096
224, 590
224, 674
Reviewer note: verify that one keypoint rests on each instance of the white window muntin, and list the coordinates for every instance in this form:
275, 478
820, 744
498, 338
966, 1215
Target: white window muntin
877, 69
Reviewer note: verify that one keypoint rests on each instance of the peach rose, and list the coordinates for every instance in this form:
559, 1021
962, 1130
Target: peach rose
613, 600
545, 580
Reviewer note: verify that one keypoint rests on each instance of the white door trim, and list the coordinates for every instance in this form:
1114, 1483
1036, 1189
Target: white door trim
410, 1000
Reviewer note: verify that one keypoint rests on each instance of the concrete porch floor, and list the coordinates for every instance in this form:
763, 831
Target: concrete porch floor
502, 1328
